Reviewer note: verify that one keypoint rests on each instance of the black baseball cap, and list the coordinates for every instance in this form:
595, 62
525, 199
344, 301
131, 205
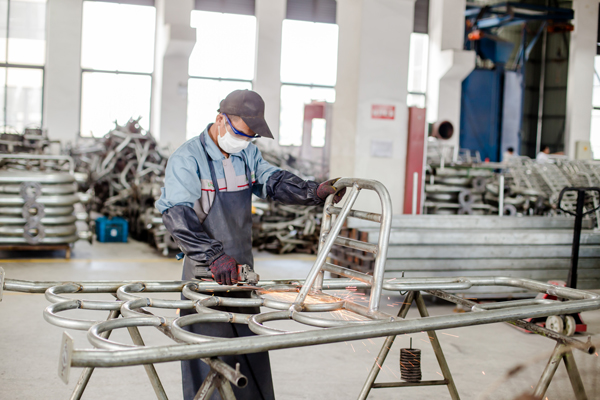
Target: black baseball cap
250, 107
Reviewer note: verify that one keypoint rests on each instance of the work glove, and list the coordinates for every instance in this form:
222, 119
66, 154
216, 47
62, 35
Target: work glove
224, 270
327, 188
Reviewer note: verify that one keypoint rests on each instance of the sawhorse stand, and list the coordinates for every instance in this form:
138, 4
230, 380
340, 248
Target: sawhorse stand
389, 341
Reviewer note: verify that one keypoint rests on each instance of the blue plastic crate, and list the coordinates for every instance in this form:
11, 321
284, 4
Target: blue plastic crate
111, 230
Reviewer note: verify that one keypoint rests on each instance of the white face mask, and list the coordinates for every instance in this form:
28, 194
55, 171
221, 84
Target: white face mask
230, 143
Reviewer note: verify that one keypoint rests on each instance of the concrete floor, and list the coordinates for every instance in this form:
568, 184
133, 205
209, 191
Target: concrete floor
479, 357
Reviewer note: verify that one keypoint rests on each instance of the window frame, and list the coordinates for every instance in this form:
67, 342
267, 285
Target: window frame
117, 72
6, 65
220, 79
308, 85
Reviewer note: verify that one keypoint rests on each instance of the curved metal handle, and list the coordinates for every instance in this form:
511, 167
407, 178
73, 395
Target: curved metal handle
577, 189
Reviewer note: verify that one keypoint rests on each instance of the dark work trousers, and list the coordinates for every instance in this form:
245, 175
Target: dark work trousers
229, 221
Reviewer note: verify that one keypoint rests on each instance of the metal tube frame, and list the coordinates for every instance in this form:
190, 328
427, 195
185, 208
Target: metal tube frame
368, 322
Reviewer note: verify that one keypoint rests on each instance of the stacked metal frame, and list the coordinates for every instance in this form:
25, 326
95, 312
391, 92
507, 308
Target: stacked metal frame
38, 196
457, 190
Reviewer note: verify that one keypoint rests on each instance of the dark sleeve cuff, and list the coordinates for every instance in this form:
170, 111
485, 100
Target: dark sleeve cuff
185, 228
287, 188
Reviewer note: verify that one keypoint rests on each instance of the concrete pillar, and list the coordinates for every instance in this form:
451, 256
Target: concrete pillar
175, 40
581, 74
62, 80
269, 19
449, 64
370, 115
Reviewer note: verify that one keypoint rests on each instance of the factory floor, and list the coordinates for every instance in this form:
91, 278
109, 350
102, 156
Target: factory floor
479, 357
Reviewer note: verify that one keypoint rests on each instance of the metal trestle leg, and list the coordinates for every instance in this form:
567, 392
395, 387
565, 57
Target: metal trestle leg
389, 341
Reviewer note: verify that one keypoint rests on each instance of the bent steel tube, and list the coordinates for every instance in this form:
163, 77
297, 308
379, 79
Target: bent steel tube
119, 358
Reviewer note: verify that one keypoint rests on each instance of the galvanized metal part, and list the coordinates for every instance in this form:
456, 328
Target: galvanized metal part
289, 300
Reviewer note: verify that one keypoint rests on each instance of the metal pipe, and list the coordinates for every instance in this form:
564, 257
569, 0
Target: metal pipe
86, 374
437, 349
540, 116
385, 349
312, 275
348, 273
574, 375
178, 352
367, 216
356, 244
41, 157
415, 194
587, 347
501, 196
549, 371
159, 390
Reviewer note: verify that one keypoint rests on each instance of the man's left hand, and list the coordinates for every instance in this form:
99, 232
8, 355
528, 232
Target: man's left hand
327, 188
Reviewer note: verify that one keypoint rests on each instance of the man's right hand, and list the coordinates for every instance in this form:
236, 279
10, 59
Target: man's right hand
224, 270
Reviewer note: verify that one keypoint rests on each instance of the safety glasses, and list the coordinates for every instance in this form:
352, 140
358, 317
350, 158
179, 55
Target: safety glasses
238, 132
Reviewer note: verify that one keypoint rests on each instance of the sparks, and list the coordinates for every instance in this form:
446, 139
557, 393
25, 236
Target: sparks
484, 374
439, 374
352, 348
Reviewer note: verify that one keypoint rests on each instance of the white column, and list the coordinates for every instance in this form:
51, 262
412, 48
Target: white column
449, 64
175, 40
62, 80
344, 121
267, 82
581, 74
372, 71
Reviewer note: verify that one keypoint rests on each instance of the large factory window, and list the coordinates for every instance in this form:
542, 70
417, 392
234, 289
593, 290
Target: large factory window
595, 132
22, 59
308, 72
417, 70
117, 60
222, 61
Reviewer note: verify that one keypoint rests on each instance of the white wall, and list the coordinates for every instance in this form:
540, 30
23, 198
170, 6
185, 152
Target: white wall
449, 64
269, 19
62, 80
174, 46
581, 74
372, 70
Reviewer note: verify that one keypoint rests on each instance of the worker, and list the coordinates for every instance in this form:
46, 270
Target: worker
508, 154
206, 206
542, 156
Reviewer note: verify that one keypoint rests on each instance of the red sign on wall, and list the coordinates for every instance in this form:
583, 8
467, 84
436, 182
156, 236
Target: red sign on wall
382, 111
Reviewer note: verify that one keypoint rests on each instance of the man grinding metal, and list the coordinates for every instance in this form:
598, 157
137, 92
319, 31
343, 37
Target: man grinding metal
206, 206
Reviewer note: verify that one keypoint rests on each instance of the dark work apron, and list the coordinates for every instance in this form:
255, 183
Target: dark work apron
229, 221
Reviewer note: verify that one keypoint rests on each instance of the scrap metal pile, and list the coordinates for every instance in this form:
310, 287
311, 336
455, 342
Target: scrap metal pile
284, 228
535, 187
38, 201
321, 310
530, 188
126, 171
280, 228
452, 190
31, 140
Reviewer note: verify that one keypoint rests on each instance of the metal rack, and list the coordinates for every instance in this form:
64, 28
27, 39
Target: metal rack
296, 300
